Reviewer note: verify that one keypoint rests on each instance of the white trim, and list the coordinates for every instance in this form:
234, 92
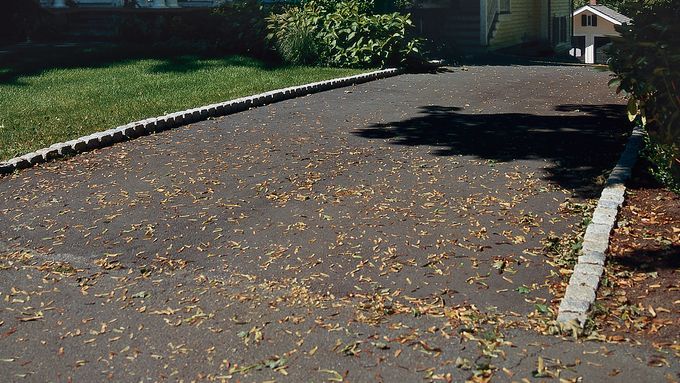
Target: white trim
595, 11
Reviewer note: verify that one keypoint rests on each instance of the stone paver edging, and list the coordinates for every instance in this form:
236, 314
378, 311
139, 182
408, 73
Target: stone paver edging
582, 288
177, 119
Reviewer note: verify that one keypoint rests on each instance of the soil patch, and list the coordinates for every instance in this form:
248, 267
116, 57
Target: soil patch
640, 298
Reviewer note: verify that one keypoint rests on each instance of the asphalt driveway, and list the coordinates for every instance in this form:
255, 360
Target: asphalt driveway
394, 231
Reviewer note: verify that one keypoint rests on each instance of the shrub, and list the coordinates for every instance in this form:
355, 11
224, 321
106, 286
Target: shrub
401, 6
345, 33
296, 35
236, 27
241, 27
22, 20
646, 63
132, 28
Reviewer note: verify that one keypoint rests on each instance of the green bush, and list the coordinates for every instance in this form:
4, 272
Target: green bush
236, 27
345, 33
296, 35
629, 8
241, 27
646, 63
401, 6
22, 20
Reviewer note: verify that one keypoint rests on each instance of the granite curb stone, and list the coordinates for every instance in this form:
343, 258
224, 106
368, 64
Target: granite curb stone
583, 283
604, 216
592, 257
585, 280
173, 120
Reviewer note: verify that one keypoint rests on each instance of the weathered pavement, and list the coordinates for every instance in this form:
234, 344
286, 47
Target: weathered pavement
393, 231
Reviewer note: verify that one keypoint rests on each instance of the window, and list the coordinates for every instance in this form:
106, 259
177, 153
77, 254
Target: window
563, 29
559, 30
588, 20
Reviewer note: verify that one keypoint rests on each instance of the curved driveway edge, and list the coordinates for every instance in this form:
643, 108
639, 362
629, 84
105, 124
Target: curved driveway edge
173, 120
582, 289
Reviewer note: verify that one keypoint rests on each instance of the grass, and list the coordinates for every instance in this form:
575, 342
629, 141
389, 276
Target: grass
40, 106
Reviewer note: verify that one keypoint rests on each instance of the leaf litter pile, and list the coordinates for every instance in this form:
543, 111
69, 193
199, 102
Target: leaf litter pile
239, 249
640, 301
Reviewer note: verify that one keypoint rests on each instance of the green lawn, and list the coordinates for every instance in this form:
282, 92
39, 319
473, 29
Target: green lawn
44, 105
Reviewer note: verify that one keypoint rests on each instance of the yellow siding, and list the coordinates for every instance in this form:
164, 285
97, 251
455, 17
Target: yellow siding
561, 8
527, 21
522, 24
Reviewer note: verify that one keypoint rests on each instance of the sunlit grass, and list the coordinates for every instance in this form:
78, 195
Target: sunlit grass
54, 105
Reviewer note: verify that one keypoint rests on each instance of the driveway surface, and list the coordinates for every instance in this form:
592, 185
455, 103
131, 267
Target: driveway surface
400, 230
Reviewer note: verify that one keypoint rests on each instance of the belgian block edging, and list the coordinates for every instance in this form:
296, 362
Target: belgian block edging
174, 120
582, 289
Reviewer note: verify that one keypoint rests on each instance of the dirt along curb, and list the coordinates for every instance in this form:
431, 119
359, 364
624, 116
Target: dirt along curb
173, 120
582, 289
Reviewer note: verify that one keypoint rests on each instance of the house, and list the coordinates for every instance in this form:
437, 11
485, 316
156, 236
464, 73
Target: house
594, 25
473, 25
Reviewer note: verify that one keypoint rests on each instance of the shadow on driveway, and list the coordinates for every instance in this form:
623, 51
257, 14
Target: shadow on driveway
580, 148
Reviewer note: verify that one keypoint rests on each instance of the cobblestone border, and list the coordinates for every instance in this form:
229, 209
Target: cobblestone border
582, 288
173, 120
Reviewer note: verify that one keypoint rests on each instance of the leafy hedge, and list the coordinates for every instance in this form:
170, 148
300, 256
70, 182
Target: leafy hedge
21, 20
236, 27
646, 63
347, 33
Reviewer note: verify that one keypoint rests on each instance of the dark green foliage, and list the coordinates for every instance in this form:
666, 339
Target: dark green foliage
396, 5
631, 8
235, 27
659, 156
345, 33
242, 27
295, 33
646, 60
627, 7
130, 4
21, 20
610, 3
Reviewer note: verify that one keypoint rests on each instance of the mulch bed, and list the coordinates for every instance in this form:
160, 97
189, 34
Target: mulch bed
640, 297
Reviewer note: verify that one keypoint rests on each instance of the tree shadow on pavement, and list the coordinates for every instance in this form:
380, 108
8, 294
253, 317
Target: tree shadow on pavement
579, 148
